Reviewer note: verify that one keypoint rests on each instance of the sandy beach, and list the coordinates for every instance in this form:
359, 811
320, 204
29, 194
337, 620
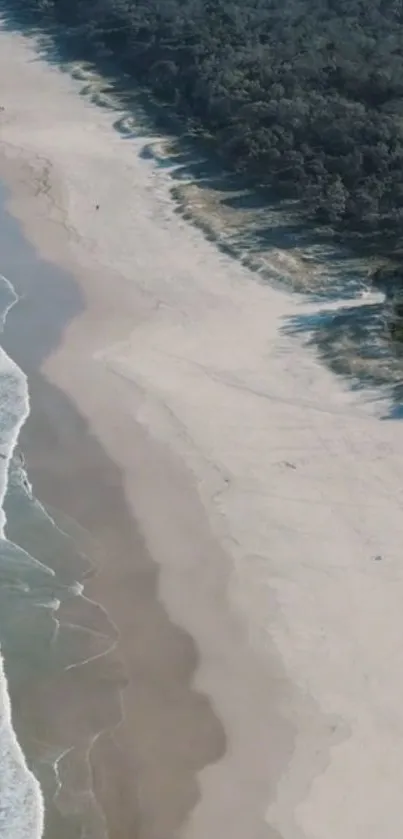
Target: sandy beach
239, 496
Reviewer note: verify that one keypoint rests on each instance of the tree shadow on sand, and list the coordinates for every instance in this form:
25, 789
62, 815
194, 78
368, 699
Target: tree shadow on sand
355, 342
246, 223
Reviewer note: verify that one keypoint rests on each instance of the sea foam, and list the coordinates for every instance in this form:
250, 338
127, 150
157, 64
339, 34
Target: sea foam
21, 802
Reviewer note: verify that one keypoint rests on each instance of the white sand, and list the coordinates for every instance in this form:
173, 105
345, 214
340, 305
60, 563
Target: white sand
212, 377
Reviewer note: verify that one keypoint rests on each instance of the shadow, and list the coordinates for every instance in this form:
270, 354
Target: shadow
245, 221
267, 235
355, 342
396, 410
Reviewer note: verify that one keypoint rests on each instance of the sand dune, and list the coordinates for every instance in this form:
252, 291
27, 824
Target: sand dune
269, 494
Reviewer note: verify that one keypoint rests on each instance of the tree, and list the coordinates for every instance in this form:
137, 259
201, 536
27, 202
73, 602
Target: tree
304, 96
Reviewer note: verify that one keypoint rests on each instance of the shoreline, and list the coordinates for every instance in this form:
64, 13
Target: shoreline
34, 441
258, 490
22, 798
223, 655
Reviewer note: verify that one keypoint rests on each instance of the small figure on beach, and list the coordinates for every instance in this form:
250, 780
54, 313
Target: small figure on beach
27, 487
97, 206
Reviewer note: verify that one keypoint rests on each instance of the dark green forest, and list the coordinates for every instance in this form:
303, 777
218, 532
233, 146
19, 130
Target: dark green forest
303, 96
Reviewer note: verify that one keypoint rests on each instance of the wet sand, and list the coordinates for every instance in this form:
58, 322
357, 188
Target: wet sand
158, 730
140, 724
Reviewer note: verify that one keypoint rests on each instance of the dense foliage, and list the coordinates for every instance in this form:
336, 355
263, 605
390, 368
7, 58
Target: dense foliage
305, 95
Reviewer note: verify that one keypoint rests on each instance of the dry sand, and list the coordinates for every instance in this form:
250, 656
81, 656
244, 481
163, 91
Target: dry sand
263, 490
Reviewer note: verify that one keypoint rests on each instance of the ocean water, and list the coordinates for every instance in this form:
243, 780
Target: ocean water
21, 802
38, 569
60, 679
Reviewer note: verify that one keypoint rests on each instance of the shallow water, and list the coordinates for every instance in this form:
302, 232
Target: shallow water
21, 810
48, 628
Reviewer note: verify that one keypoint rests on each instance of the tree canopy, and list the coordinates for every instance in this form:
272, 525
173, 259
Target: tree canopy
305, 96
